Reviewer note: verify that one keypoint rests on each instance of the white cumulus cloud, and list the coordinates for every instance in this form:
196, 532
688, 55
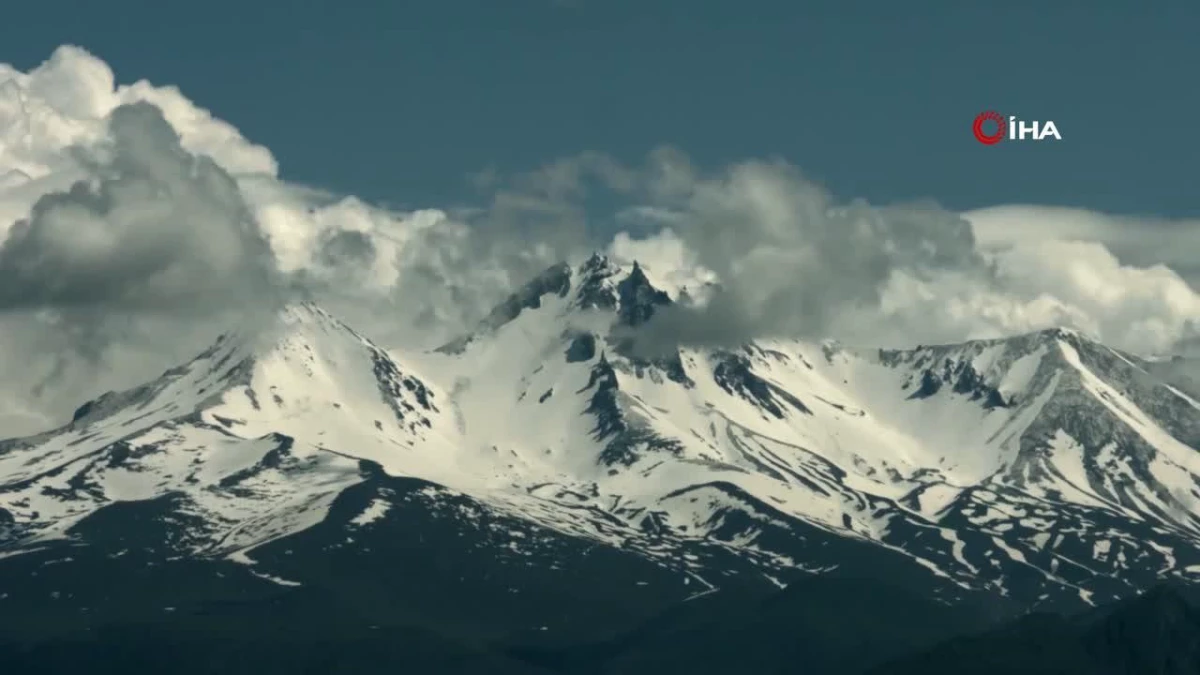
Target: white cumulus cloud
135, 224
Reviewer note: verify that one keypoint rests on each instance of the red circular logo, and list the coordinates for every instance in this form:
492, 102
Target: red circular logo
981, 119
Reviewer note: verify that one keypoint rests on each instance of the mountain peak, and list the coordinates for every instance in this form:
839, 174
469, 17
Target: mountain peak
597, 283
305, 312
301, 348
638, 298
1061, 333
596, 261
1015, 345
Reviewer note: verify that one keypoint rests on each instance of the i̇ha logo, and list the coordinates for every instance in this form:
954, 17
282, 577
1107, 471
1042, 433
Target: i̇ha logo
1012, 129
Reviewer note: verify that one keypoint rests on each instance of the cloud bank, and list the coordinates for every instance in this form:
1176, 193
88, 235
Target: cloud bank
151, 226
134, 225
1141, 241
794, 262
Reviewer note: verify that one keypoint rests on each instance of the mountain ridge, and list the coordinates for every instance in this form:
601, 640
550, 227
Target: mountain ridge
1045, 469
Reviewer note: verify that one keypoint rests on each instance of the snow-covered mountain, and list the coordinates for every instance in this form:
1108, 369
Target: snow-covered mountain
1046, 468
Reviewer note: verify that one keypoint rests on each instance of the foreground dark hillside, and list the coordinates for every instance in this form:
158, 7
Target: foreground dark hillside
1157, 633
814, 627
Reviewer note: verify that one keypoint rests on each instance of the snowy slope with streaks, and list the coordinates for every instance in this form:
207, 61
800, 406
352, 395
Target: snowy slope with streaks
1045, 468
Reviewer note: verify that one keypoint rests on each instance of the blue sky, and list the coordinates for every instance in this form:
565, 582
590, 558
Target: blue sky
399, 101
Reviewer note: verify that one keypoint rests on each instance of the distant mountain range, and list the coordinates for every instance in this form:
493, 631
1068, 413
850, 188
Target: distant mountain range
536, 497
